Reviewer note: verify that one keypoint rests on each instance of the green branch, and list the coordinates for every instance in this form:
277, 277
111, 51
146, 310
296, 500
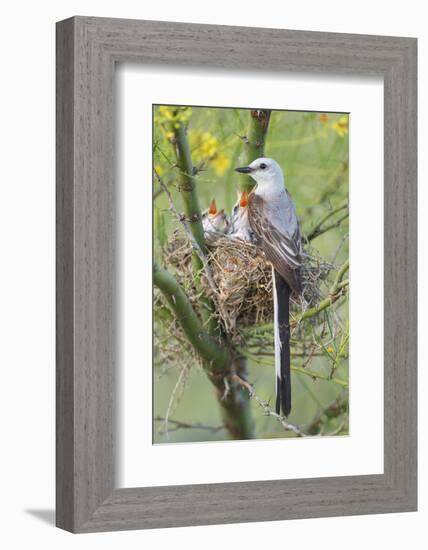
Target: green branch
301, 370
192, 208
335, 409
340, 274
335, 292
217, 360
312, 374
213, 354
255, 142
320, 229
187, 230
313, 311
193, 216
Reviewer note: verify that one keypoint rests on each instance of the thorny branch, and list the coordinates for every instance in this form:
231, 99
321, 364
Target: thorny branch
320, 228
333, 410
335, 292
185, 425
266, 408
193, 241
255, 141
176, 393
214, 355
302, 370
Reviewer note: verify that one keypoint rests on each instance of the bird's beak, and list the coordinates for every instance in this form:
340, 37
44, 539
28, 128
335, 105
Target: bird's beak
212, 211
244, 170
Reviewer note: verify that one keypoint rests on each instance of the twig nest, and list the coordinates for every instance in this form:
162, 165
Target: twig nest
244, 283
243, 280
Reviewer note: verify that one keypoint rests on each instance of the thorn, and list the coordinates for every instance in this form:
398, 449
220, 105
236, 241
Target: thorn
197, 169
244, 139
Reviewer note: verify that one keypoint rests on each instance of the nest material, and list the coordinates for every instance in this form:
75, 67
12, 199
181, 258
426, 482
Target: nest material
243, 280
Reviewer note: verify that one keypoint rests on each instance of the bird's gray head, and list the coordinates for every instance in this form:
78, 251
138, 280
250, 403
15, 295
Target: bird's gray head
265, 171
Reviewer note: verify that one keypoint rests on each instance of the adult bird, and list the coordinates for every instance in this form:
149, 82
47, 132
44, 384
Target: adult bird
273, 220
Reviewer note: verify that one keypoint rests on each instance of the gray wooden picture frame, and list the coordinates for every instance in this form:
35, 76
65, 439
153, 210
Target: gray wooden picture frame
87, 51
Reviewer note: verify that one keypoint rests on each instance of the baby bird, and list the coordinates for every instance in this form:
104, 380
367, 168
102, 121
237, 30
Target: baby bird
214, 222
239, 226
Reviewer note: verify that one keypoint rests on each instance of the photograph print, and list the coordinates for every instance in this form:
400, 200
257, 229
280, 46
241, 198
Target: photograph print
250, 275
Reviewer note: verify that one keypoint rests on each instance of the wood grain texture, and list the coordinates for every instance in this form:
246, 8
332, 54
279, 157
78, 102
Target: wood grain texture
64, 277
87, 49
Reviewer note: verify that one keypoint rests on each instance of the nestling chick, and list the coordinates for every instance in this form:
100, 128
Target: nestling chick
214, 222
239, 226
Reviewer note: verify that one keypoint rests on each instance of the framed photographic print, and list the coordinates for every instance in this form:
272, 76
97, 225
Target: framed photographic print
236, 274
242, 318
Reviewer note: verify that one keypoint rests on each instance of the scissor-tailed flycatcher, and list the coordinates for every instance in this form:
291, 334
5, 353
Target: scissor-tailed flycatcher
273, 220
214, 222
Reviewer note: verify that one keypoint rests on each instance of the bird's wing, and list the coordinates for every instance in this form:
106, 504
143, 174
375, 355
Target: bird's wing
282, 250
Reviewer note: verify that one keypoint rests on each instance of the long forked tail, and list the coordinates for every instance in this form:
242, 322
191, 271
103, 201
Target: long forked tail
281, 302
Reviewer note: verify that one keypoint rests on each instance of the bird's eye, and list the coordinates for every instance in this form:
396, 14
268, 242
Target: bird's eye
262, 165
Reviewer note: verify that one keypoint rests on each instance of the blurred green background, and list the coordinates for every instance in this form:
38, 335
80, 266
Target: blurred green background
313, 151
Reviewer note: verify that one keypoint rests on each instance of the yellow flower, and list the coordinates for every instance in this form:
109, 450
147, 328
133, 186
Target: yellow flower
173, 115
220, 163
203, 144
206, 147
330, 349
342, 125
166, 112
159, 169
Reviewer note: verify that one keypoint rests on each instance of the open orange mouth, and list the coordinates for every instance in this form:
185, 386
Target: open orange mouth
243, 203
212, 210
